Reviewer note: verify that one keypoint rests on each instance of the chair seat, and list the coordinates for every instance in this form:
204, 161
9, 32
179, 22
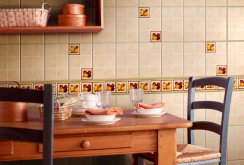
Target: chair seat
187, 153
192, 153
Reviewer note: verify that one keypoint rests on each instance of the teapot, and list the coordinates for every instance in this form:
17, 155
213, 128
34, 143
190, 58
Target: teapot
87, 100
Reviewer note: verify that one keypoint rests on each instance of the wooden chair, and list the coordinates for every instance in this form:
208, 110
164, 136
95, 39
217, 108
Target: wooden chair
44, 136
190, 154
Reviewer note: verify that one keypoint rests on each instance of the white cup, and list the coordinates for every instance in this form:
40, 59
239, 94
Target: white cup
87, 100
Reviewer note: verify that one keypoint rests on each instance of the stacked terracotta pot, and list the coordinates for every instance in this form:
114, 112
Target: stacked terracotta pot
73, 15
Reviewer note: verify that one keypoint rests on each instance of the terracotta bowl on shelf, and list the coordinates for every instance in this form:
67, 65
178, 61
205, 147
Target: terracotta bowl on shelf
72, 20
13, 111
73, 9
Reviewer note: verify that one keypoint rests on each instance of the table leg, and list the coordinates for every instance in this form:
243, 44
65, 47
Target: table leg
167, 147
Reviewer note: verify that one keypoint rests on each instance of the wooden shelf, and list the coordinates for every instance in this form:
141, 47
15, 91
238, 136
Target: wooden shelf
94, 11
50, 29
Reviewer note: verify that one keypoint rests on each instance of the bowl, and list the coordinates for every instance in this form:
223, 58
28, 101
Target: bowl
100, 117
150, 111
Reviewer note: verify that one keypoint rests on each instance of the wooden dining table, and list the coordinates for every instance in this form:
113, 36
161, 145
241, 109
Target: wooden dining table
75, 138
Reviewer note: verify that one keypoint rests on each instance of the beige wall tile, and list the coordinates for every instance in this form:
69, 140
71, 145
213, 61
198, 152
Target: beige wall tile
216, 24
235, 3
172, 24
31, 3
194, 59
172, 59
235, 23
194, 3
109, 3
82, 38
216, 2
194, 24
127, 3
56, 38
172, 3
9, 38
150, 3
32, 38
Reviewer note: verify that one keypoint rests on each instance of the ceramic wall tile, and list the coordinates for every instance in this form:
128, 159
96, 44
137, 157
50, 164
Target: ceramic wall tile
127, 24
108, 34
235, 23
150, 3
216, 2
216, 24
194, 24
194, 3
172, 59
235, 3
56, 38
82, 38
194, 59
127, 3
172, 3
9, 39
172, 24
31, 3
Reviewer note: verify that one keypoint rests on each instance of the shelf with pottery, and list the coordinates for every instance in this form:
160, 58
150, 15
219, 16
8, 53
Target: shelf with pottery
94, 23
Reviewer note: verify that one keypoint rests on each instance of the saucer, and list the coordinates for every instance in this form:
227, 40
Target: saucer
147, 115
101, 122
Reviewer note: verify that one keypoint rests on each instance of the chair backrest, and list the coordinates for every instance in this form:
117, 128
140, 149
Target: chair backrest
223, 107
44, 136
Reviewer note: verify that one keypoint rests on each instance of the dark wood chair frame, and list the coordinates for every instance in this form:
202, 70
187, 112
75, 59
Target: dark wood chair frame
220, 129
44, 136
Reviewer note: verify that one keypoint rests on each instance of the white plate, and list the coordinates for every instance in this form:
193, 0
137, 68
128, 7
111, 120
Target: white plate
147, 115
101, 122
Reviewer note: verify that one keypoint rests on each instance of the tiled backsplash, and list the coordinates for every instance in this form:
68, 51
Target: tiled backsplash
196, 37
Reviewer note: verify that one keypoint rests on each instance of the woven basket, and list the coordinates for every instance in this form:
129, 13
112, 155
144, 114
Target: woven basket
61, 113
24, 17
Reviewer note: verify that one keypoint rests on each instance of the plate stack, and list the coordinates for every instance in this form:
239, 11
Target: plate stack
73, 15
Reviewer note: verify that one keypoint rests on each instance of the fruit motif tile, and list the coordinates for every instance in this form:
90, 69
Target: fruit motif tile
210, 47
241, 83
121, 87
178, 85
235, 83
26, 86
210, 87
166, 85
221, 70
86, 73
186, 85
74, 88
110, 86
144, 12
62, 88
86, 87
38, 86
155, 36
144, 85
133, 85
155, 86
74, 49
200, 88
97, 87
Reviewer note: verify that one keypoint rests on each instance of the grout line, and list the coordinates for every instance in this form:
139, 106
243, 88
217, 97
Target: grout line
227, 35
205, 95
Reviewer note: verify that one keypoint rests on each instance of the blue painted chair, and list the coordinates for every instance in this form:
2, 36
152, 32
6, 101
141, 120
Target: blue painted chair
44, 136
190, 154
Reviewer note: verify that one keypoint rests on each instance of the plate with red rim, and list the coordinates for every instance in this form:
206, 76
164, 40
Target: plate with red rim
147, 115
86, 120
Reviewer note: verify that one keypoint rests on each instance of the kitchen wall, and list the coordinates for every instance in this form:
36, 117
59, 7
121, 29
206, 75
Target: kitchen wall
123, 50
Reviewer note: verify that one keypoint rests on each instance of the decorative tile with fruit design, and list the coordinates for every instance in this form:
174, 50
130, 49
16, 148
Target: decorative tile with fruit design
155, 86
110, 86
86, 87
144, 12
155, 36
178, 85
13, 86
63, 88
186, 85
210, 47
235, 83
38, 86
221, 70
74, 88
86, 73
241, 83
26, 86
97, 87
210, 87
121, 87
133, 85
200, 88
144, 85
54, 88
166, 85
74, 49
